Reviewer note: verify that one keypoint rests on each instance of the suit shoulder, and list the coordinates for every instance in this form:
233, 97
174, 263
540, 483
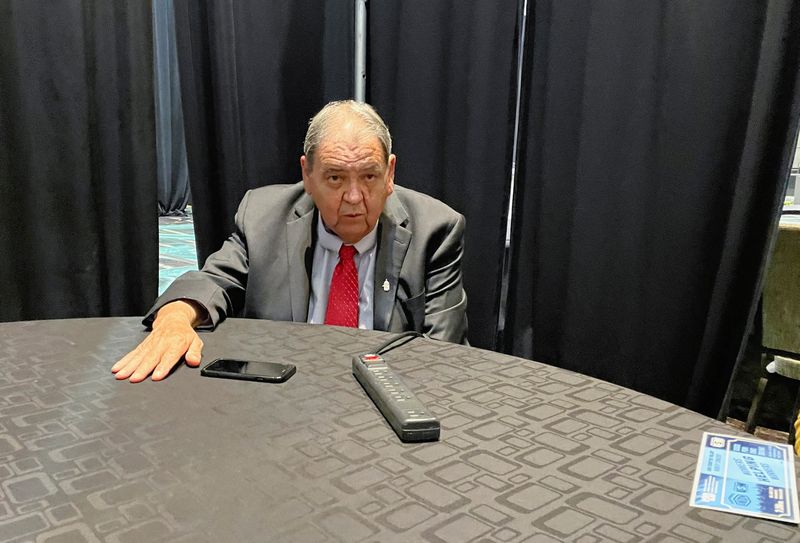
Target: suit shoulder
264, 206
417, 202
276, 194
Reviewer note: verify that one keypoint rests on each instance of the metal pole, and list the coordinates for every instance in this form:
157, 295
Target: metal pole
360, 61
504, 285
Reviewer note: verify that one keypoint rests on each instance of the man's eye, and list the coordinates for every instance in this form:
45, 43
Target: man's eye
371, 177
333, 178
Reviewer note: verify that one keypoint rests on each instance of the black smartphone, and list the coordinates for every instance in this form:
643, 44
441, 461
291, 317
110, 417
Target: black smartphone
249, 370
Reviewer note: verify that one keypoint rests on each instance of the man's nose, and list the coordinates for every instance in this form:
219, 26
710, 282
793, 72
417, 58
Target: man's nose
352, 194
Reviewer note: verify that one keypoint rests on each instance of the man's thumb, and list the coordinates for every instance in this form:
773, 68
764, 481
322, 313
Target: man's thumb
195, 352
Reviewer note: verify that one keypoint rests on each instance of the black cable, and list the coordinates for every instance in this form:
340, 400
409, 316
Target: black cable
385, 346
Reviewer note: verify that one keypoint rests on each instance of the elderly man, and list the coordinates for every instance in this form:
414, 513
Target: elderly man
344, 247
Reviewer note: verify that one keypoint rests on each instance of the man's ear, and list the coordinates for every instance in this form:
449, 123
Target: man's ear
306, 174
390, 174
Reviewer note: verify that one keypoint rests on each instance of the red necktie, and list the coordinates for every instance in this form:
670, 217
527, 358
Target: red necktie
343, 294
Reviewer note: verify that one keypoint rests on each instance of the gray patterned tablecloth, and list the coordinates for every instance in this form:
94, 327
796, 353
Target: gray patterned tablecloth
529, 453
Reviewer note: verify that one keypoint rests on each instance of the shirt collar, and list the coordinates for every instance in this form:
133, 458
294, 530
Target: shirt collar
332, 242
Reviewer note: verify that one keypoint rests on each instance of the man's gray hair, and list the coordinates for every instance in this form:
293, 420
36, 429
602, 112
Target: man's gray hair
319, 124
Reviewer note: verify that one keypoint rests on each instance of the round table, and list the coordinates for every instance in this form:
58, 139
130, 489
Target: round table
528, 453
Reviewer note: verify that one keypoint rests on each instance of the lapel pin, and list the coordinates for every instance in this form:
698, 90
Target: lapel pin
386, 285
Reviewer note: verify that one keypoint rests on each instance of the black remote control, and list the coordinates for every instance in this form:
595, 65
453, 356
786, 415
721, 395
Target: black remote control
404, 412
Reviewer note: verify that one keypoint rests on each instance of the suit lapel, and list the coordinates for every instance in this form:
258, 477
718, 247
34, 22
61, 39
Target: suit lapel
392, 248
300, 254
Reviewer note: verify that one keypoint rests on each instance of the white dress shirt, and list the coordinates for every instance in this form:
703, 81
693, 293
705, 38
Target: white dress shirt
326, 256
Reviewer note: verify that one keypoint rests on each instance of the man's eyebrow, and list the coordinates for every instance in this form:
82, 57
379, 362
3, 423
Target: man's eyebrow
371, 164
365, 165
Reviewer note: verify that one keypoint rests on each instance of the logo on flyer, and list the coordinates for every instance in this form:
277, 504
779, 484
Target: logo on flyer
717, 442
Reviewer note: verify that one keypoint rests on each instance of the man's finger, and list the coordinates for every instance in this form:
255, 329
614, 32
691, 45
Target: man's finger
122, 362
143, 370
168, 360
163, 368
150, 359
131, 360
195, 352
132, 364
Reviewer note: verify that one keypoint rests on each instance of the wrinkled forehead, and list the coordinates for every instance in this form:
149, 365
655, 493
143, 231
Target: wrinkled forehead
350, 145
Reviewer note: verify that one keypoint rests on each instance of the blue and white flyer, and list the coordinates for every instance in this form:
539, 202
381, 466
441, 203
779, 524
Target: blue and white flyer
746, 476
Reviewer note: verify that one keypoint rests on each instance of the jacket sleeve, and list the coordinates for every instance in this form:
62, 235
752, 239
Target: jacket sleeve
445, 299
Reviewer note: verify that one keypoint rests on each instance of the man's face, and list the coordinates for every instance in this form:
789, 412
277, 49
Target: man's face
349, 180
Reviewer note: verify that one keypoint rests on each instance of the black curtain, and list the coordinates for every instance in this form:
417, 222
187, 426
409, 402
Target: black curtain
442, 74
78, 229
657, 141
252, 73
173, 171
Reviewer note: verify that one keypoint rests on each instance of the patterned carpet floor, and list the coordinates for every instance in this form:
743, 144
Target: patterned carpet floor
177, 252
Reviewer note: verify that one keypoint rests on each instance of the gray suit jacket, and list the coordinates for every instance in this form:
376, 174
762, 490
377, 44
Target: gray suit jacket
263, 269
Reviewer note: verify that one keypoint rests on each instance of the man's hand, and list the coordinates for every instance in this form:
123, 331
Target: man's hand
173, 336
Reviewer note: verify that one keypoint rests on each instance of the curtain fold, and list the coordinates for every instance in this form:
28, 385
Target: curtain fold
755, 206
252, 73
173, 174
442, 75
656, 147
78, 228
